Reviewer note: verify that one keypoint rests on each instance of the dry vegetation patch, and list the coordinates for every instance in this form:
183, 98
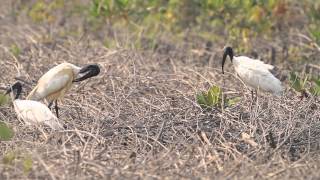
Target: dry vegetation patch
139, 118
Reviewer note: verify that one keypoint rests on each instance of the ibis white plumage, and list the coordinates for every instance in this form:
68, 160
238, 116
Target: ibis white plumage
32, 112
58, 80
254, 72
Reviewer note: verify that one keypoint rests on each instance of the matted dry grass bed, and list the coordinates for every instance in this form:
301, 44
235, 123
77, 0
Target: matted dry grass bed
139, 118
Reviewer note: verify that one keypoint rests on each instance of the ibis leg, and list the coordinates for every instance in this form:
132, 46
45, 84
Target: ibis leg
256, 99
252, 95
56, 107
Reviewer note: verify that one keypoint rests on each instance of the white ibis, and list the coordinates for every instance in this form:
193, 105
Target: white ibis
254, 72
32, 112
58, 80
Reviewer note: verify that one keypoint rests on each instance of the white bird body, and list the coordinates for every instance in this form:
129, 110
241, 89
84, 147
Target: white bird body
257, 75
32, 112
55, 83
36, 113
254, 72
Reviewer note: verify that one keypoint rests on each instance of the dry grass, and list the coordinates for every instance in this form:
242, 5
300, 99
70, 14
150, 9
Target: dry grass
139, 118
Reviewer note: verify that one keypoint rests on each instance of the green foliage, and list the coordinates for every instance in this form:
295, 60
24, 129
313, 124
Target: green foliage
296, 82
300, 85
8, 158
15, 50
187, 13
315, 33
233, 101
214, 95
99, 8
4, 99
213, 98
210, 98
202, 99
18, 157
109, 8
239, 21
27, 164
6, 133
315, 89
43, 11
314, 19
37, 12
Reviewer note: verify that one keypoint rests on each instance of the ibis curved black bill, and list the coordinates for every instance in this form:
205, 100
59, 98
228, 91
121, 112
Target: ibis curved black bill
227, 52
88, 71
17, 88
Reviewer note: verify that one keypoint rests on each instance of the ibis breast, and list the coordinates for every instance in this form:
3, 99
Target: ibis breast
35, 113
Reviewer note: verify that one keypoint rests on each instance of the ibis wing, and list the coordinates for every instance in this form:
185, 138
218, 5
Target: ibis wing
34, 113
262, 79
50, 85
56, 83
262, 64
254, 63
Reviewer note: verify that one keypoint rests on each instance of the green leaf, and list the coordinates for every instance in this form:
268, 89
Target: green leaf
214, 3
9, 157
27, 164
201, 100
317, 81
100, 8
15, 50
233, 101
214, 95
315, 90
4, 99
315, 33
295, 82
122, 3
211, 98
6, 133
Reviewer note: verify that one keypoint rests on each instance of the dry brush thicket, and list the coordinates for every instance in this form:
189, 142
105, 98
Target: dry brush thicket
139, 117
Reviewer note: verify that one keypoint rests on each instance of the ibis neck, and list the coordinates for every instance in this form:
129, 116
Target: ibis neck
75, 70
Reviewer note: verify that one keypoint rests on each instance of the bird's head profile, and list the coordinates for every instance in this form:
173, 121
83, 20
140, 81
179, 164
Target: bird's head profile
88, 71
16, 88
226, 52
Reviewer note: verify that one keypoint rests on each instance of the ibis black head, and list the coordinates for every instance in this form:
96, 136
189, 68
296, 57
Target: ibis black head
88, 71
227, 52
17, 88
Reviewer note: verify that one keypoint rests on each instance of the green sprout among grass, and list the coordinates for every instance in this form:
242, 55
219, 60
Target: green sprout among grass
27, 163
14, 157
6, 133
299, 84
15, 50
4, 99
315, 89
9, 157
213, 98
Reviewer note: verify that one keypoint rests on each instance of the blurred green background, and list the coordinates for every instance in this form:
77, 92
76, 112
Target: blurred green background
292, 27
